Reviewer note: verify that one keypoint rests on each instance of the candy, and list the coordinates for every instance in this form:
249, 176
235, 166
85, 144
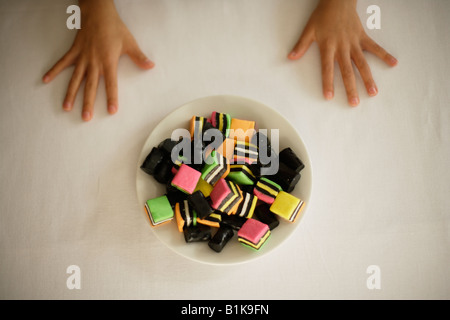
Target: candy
289, 158
233, 221
197, 233
266, 190
247, 206
167, 145
263, 214
184, 215
212, 220
159, 210
286, 177
240, 198
199, 203
253, 233
225, 196
196, 127
174, 195
163, 173
242, 130
221, 238
215, 168
241, 174
243, 185
245, 152
221, 121
227, 149
153, 159
204, 187
186, 179
261, 141
287, 206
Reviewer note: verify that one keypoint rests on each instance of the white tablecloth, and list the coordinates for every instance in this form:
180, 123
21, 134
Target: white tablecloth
380, 171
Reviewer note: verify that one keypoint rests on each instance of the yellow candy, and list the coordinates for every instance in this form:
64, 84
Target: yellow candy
204, 187
287, 206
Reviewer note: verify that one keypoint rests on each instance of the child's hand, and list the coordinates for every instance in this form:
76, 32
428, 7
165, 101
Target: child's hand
102, 39
337, 29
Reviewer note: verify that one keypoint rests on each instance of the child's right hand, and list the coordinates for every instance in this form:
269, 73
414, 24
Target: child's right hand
98, 45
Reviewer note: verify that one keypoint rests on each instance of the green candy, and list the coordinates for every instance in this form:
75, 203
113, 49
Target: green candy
159, 210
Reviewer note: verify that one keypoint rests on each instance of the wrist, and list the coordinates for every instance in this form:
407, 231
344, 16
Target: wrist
86, 4
338, 4
97, 11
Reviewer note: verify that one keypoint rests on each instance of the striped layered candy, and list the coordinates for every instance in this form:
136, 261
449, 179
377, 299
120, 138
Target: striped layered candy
241, 174
245, 152
186, 179
221, 121
196, 127
287, 206
216, 167
247, 206
227, 149
242, 130
253, 233
185, 216
226, 196
266, 190
212, 220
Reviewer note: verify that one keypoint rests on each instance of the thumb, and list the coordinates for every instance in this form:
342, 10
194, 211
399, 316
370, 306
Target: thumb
302, 45
138, 57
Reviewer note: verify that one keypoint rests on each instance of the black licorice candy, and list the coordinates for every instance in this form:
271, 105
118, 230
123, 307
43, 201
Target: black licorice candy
286, 177
163, 173
174, 196
221, 238
199, 203
197, 233
233, 221
289, 158
153, 159
167, 145
263, 214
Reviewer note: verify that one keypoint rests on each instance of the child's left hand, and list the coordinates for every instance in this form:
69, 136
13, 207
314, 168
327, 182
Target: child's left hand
336, 27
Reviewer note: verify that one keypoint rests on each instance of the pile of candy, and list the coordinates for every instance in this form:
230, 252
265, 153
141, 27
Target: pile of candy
226, 191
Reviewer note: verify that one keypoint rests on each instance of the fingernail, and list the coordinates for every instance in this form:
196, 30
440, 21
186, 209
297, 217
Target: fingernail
148, 62
393, 61
354, 101
328, 95
67, 106
46, 79
112, 109
373, 91
86, 115
292, 55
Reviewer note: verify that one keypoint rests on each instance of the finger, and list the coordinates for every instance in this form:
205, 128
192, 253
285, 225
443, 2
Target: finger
327, 62
138, 57
111, 88
369, 45
348, 76
74, 86
302, 45
364, 71
66, 60
90, 92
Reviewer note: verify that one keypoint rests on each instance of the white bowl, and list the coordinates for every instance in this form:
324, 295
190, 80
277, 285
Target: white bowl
238, 107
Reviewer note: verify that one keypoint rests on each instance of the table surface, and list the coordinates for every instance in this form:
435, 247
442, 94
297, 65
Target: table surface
380, 171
